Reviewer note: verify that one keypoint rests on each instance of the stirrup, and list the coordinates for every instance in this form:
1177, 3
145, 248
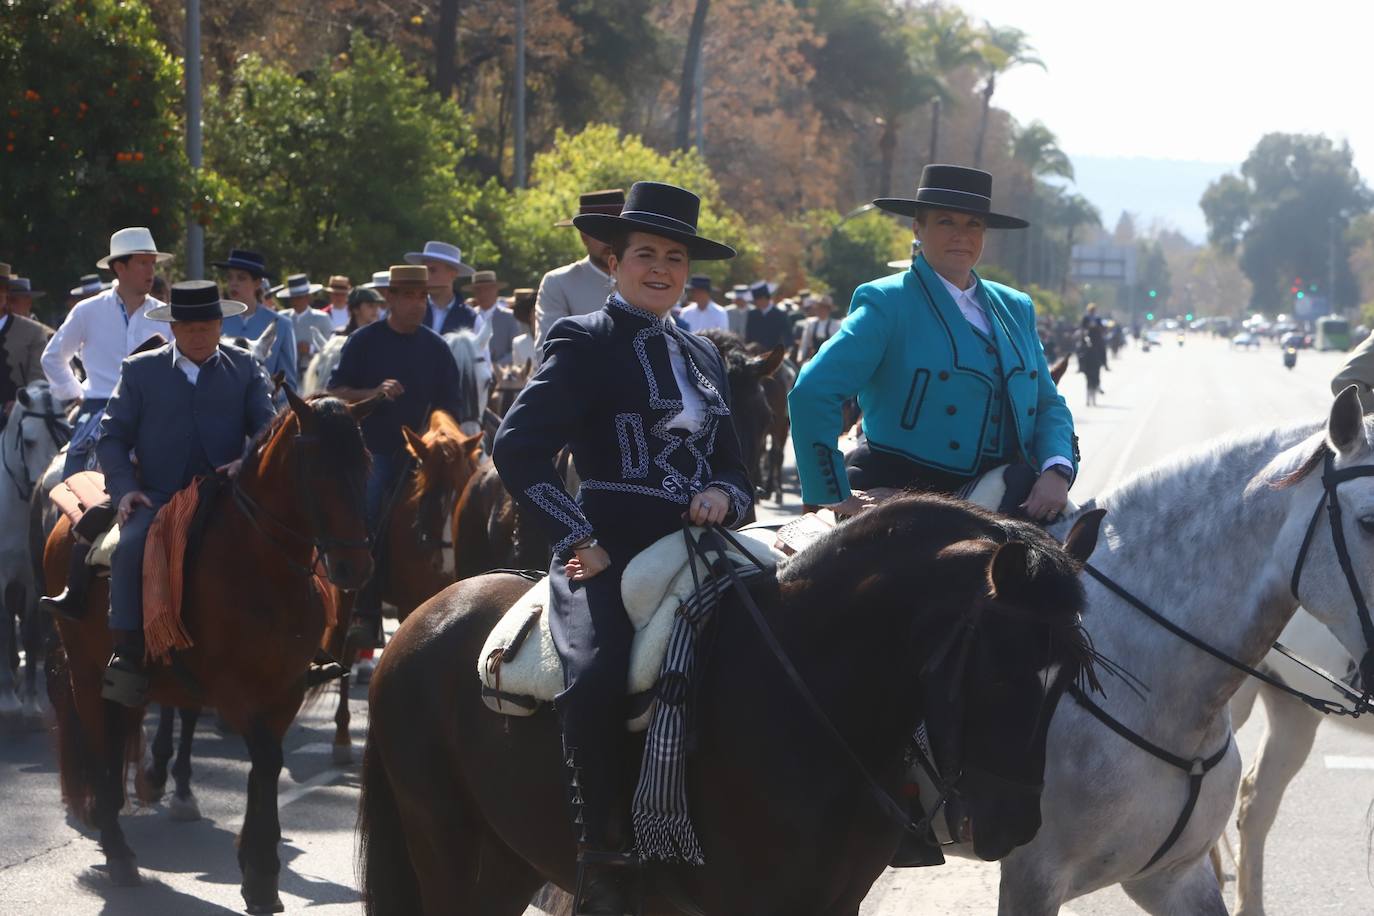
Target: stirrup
125, 687
634, 889
64, 605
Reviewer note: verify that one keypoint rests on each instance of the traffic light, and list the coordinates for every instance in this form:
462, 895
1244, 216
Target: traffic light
1302, 295
1149, 316
1153, 293
1188, 317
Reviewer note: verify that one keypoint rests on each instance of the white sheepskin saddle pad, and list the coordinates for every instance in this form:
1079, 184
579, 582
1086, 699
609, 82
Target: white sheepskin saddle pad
102, 551
520, 669
988, 491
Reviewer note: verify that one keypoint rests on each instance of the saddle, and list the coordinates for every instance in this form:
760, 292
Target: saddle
82, 498
519, 666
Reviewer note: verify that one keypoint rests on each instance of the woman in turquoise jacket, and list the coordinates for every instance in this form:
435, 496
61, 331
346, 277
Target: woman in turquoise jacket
948, 369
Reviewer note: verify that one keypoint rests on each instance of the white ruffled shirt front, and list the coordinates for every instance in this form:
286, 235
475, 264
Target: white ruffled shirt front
693, 413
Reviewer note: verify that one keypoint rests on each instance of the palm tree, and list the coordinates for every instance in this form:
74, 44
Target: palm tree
947, 41
1002, 49
1036, 149
1072, 213
906, 92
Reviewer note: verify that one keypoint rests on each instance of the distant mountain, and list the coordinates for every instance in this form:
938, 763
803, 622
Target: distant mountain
1163, 191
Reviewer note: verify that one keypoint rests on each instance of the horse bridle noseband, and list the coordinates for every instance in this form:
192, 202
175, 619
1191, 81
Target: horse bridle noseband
319, 540
58, 429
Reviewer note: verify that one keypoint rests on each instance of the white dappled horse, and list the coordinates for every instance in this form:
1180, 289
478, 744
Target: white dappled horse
1210, 540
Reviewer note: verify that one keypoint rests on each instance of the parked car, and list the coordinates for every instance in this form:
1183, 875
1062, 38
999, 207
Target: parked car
1245, 339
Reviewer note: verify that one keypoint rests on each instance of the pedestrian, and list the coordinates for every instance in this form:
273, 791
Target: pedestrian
444, 312
21, 344
1091, 362
620, 386
298, 292
364, 307
522, 347
579, 288
701, 313
182, 410
244, 273
338, 287
767, 326
410, 367
102, 330
948, 369
818, 328
486, 302
737, 310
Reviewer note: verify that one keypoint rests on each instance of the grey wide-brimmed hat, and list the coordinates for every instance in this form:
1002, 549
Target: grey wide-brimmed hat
196, 300
90, 285
297, 285
444, 253
953, 187
24, 287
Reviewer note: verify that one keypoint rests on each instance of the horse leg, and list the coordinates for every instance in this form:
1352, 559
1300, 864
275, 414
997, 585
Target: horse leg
33, 637
261, 833
9, 660
1031, 886
1190, 889
1243, 703
183, 806
156, 775
343, 717
109, 799
1289, 734
506, 883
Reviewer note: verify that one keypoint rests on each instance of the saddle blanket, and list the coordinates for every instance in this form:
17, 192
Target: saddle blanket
520, 669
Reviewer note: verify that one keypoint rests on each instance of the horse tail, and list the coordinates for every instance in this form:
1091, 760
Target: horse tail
78, 771
390, 886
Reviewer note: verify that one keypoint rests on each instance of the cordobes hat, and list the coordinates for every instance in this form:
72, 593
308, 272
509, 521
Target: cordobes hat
953, 187
609, 202
658, 209
196, 300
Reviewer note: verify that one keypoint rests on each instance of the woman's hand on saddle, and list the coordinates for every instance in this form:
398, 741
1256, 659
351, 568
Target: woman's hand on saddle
230, 470
587, 562
858, 501
1047, 498
709, 507
129, 502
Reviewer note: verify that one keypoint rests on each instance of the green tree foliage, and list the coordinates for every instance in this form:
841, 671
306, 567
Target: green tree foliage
92, 141
601, 157
339, 170
1287, 213
857, 250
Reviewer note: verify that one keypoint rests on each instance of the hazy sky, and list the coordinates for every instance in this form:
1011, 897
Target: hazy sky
1191, 79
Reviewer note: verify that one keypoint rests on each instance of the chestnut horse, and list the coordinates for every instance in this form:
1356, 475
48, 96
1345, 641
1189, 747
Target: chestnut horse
922, 609
296, 504
420, 563
490, 532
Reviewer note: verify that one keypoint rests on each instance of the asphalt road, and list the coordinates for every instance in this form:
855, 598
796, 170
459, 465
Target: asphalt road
1155, 404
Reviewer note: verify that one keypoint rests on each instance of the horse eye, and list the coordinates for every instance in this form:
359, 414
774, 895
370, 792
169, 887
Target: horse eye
1367, 523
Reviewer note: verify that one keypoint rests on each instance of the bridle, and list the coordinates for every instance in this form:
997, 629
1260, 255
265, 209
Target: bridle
319, 540
59, 431
1331, 479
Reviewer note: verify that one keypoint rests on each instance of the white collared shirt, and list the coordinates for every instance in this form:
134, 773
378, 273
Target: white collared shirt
699, 318
967, 300
693, 413
187, 367
96, 331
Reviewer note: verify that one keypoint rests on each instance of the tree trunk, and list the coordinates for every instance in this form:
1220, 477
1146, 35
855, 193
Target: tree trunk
934, 131
1064, 279
983, 122
887, 149
446, 49
687, 88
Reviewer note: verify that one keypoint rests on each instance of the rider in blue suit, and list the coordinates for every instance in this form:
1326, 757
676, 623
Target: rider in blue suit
948, 369
184, 410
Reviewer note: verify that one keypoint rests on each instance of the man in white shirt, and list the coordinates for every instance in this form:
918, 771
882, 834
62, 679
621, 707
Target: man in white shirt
339, 287
581, 287
297, 292
700, 313
486, 302
737, 312
102, 331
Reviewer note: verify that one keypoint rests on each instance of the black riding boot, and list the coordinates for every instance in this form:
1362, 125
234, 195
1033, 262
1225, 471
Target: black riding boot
323, 669
607, 874
71, 604
126, 679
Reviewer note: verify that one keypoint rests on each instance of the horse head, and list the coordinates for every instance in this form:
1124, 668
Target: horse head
750, 413
445, 460
36, 433
469, 351
308, 474
985, 629
1333, 512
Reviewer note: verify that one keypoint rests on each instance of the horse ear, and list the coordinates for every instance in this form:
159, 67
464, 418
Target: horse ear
262, 347
1009, 569
415, 444
1082, 539
278, 379
1060, 366
1345, 426
468, 443
304, 415
359, 410
766, 365
24, 400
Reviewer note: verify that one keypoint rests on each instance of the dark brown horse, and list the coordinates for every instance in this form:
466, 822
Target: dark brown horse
420, 563
923, 608
490, 532
297, 504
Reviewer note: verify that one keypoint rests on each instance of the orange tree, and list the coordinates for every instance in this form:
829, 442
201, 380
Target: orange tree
92, 137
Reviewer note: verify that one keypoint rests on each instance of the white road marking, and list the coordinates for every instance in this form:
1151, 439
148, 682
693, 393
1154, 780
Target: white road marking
1343, 762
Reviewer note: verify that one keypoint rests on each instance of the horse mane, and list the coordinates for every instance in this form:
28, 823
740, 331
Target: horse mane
338, 432
731, 348
445, 435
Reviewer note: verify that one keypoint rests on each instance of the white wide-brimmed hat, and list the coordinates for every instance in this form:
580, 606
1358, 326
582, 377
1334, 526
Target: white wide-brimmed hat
297, 285
444, 253
381, 279
134, 240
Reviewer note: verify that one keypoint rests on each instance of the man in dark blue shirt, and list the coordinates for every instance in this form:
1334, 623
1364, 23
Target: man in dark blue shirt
411, 367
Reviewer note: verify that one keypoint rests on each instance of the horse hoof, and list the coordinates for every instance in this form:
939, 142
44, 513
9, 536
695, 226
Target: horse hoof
123, 871
154, 790
260, 892
185, 809
343, 754
276, 906
9, 703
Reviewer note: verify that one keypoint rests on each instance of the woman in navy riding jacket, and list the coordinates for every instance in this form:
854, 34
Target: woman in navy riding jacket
643, 406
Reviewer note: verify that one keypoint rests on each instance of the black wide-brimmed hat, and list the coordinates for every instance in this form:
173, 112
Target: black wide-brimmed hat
248, 261
610, 202
953, 187
196, 300
659, 209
